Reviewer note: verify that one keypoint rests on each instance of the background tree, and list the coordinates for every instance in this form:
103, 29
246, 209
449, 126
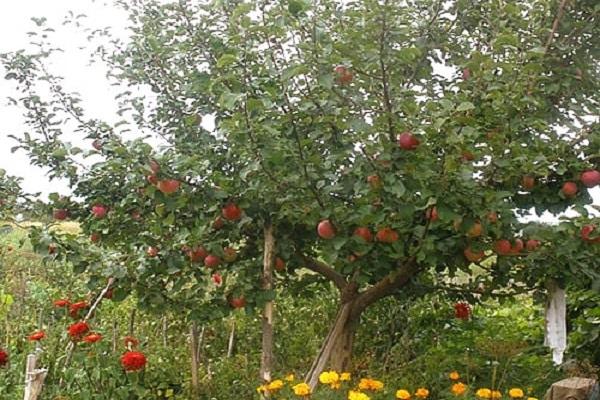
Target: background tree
333, 115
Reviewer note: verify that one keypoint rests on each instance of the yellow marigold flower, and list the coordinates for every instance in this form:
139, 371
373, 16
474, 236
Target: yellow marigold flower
496, 394
403, 394
261, 389
345, 376
289, 378
458, 389
301, 389
370, 384
329, 377
352, 395
516, 393
484, 393
275, 385
454, 375
532, 398
422, 393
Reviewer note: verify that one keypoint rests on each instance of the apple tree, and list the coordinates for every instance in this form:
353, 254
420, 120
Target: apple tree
375, 143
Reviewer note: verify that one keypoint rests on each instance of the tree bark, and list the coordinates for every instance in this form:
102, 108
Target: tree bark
266, 359
194, 358
341, 354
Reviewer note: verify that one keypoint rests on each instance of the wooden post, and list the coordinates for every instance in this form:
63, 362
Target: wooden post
266, 359
231, 339
165, 327
34, 378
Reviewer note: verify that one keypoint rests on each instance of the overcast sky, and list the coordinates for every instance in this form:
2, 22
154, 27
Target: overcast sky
89, 81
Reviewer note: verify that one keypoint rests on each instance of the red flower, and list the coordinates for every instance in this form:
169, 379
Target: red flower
133, 361
216, 278
36, 336
130, 342
78, 329
3, 358
462, 310
92, 338
76, 308
61, 303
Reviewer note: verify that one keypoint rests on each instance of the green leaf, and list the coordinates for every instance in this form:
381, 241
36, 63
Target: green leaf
465, 106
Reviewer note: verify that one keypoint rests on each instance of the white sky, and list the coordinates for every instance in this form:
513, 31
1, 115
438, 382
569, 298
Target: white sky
89, 81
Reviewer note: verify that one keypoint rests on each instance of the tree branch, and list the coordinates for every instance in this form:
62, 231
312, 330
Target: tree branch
325, 270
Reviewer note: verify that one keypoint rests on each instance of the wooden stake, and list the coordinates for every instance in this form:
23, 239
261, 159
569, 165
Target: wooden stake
266, 359
34, 378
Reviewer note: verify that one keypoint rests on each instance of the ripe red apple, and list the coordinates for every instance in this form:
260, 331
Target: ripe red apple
99, 211
279, 264
585, 234
473, 256
231, 212
467, 156
60, 214
475, 230
492, 217
237, 302
97, 144
532, 244
218, 223
432, 214
152, 179
387, 235
325, 229
95, 237
152, 251
168, 186
528, 182
229, 254
212, 261
344, 76
154, 166
196, 254
364, 233
374, 181
517, 247
502, 247
407, 141
569, 189
590, 178
466, 74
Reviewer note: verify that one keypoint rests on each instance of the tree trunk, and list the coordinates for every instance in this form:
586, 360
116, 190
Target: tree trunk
341, 353
266, 359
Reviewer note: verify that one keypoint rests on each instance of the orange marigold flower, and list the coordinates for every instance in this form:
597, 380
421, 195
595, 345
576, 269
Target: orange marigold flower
61, 303
496, 394
422, 393
92, 338
516, 393
458, 389
454, 375
370, 384
133, 361
78, 330
37, 336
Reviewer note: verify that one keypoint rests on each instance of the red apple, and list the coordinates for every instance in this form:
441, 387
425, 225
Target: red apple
154, 166
532, 244
590, 178
279, 264
387, 235
218, 223
528, 182
325, 229
518, 246
229, 254
473, 256
502, 247
60, 214
152, 179
197, 253
237, 302
585, 234
95, 237
374, 181
344, 76
364, 233
231, 212
475, 230
466, 74
407, 141
569, 189
432, 214
97, 144
99, 211
152, 251
212, 261
168, 186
